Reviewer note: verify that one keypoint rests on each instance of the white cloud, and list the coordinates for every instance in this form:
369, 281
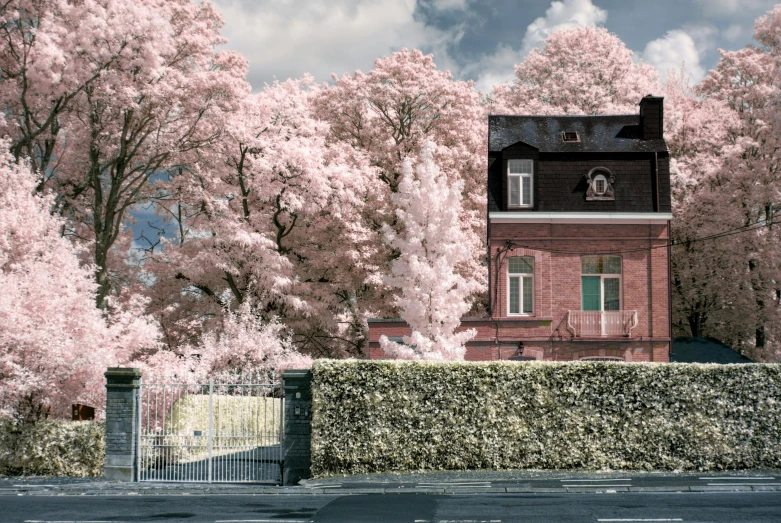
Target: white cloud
737, 33
498, 67
285, 39
445, 5
559, 15
494, 69
727, 7
675, 50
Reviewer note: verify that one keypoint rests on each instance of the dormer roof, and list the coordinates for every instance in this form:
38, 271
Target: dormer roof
603, 133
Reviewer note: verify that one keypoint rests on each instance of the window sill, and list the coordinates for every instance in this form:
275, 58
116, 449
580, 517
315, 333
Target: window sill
525, 319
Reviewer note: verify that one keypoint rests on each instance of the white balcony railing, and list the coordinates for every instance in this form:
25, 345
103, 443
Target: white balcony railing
601, 323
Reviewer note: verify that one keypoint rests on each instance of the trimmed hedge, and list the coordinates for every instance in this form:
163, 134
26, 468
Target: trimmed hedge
52, 448
372, 416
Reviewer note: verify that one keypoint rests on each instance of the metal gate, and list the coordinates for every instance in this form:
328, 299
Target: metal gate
227, 430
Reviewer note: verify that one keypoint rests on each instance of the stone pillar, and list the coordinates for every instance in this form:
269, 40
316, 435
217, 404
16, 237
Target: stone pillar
122, 388
298, 426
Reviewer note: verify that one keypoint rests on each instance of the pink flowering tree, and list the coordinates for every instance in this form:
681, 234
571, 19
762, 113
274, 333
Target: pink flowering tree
269, 218
745, 189
54, 343
432, 245
243, 343
580, 70
385, 116
134, 94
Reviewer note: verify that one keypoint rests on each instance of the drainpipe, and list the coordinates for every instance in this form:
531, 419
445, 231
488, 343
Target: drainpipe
655, 182
669, 286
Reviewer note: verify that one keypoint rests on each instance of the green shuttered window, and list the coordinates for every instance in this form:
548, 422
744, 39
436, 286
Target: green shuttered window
601, 283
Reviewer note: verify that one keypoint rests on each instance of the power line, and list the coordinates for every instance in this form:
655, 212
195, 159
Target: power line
715, 236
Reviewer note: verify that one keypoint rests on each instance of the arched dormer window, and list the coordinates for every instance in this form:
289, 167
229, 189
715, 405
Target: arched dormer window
600, 185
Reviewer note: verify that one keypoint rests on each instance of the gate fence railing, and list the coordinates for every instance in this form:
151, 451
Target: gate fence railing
229, 429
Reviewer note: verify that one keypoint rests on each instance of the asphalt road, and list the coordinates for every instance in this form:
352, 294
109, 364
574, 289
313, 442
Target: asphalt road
613, 507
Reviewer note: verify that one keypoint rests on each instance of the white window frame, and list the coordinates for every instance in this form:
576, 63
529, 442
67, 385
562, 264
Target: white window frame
520, 177
600, 178
521, 277
602, 276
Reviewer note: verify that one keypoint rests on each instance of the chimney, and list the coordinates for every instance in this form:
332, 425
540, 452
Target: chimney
652, 117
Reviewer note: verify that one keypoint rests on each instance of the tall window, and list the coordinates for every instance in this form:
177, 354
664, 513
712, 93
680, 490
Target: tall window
520, 285
601, 283
519, 183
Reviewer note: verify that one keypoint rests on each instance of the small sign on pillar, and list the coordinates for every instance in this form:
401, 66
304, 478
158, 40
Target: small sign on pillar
81, 412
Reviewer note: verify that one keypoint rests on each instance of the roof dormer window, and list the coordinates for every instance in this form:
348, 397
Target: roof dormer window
520, 175
569, 136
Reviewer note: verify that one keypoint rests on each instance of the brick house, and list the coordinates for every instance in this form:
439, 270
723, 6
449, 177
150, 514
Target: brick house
578, 240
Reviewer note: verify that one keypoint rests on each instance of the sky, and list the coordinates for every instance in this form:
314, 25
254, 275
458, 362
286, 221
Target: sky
479, 40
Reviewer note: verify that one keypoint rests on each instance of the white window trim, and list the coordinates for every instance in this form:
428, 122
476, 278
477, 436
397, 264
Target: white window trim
520, 177
600, 178
620, 277
521, 276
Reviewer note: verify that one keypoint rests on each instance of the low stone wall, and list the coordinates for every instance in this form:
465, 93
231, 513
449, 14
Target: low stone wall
372, 416
52, 448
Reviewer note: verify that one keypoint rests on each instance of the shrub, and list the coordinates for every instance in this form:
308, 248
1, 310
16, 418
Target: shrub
371, 416
52, 448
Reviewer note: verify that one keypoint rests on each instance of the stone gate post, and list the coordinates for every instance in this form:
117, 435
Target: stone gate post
297, 454
122, 388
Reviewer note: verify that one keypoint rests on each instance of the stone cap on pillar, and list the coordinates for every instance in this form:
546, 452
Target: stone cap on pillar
297, 379
123, 377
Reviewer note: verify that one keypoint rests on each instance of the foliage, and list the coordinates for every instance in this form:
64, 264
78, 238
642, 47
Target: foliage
52, 448
264, 219
384, 117
431, 247
400, 416
580, 70
744, 192
54, 344
245, 343
137, 91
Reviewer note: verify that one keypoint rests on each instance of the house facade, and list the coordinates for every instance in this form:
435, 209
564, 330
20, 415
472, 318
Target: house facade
579, 218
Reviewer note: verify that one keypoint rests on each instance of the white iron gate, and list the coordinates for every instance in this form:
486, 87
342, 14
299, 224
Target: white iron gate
227, 430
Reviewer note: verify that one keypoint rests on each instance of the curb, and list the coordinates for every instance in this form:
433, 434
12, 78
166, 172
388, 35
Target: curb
298, 491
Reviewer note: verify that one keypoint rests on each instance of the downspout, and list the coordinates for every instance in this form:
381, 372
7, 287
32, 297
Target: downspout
669, 285
655, 181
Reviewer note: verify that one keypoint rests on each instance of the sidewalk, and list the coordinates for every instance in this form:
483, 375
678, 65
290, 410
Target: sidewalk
441, 483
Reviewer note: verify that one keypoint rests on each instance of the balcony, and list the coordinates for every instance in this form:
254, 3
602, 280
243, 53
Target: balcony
589, 324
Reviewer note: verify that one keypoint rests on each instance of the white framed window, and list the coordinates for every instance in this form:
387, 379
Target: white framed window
601, 283
520, 285
520, 176
600, 184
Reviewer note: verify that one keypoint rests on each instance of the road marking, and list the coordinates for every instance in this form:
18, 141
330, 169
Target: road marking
593, 480
470, 521
475, 485
595, 486
668, 519
263, 521
324, 486
68, 521
744, 484
733, 478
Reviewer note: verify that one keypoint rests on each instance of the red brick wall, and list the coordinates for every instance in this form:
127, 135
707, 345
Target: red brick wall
557, 250
557, 278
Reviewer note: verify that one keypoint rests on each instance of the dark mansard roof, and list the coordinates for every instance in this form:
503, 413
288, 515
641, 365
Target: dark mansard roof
609, 133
